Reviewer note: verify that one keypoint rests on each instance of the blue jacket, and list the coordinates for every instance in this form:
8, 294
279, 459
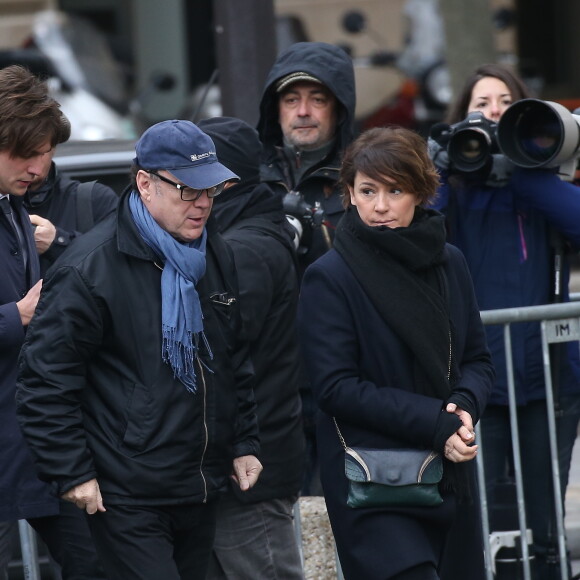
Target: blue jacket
505, 235
22, 494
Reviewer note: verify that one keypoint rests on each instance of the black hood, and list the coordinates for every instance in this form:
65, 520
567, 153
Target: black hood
237, 146
328, 63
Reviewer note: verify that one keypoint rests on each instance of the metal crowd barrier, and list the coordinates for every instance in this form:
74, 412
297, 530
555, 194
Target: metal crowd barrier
28, 546
558, 323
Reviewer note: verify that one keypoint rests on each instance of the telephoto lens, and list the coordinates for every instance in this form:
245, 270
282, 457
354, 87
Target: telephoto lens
535, 133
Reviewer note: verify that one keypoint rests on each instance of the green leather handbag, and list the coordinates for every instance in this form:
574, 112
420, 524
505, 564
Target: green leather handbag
392, 477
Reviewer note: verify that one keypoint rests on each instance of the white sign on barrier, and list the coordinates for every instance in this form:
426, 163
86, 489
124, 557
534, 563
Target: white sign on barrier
563, 330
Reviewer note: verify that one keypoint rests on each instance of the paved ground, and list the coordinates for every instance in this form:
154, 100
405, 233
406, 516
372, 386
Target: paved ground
572, 521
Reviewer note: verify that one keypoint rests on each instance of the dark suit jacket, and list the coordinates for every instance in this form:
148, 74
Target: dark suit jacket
22, 494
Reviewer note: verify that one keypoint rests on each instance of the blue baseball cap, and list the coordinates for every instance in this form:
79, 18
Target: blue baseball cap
184, 150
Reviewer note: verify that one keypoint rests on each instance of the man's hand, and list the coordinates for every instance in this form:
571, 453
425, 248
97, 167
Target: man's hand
86, 496
27, 305
247, 469
44, 233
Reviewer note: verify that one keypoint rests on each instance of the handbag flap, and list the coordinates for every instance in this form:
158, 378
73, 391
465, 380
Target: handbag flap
393, 466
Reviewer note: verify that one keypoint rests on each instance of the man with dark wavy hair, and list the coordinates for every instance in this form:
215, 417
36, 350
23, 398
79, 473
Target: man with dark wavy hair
31, 125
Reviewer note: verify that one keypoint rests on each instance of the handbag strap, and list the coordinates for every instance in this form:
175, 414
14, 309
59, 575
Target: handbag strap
343, 442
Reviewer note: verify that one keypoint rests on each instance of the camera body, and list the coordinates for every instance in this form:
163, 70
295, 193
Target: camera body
531, 133
303, 217
470, 143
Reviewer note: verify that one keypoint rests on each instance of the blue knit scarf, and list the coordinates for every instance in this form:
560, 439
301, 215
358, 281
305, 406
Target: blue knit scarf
181, 316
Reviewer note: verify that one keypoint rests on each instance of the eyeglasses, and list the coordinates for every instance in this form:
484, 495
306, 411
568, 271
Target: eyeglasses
189, 193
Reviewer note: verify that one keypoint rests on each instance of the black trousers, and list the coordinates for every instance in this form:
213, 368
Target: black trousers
155, 542
68, 539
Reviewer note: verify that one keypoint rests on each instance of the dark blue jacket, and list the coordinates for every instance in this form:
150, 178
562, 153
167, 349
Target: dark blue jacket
362, 374
22, 494
505, 235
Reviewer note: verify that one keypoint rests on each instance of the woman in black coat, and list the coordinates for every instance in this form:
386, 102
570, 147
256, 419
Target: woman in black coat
396, 353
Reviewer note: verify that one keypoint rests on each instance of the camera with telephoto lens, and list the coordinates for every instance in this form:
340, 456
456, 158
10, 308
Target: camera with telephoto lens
303, 217
534, 133
470, 143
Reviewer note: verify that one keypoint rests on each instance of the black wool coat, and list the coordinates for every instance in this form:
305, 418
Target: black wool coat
362, 374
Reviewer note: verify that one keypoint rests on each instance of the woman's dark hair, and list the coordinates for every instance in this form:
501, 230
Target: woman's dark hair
518, 90
390, 152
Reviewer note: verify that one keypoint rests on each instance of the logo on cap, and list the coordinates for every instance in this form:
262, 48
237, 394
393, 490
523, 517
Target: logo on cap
195, 157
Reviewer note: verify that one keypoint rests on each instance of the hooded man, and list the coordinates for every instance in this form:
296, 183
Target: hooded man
255, 530
306, 121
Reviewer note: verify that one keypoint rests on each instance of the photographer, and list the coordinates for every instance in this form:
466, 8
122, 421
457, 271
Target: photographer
510, 223
306, 121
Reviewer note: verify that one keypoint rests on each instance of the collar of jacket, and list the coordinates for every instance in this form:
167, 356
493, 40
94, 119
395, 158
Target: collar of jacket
44, 192
273, 170
130, 242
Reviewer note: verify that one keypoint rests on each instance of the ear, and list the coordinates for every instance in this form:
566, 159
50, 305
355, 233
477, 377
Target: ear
351, 193
144, 185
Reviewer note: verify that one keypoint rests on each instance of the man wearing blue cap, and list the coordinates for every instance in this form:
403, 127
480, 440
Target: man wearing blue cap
134, 393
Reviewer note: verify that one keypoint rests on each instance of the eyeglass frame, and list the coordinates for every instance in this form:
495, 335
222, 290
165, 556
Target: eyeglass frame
199, 192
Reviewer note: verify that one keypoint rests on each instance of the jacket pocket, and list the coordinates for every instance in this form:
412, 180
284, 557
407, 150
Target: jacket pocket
137, 416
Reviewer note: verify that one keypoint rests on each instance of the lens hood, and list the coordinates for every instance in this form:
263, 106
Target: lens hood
535, 133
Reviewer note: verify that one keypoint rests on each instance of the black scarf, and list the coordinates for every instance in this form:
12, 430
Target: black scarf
401, 271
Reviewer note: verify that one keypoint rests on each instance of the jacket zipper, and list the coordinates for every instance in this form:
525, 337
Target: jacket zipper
204, 428
298, 159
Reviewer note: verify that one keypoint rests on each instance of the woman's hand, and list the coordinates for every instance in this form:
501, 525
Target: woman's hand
457, 450
466, 431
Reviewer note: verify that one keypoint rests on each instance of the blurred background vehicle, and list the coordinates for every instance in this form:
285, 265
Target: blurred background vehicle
83, 76
107, 161
147, 61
